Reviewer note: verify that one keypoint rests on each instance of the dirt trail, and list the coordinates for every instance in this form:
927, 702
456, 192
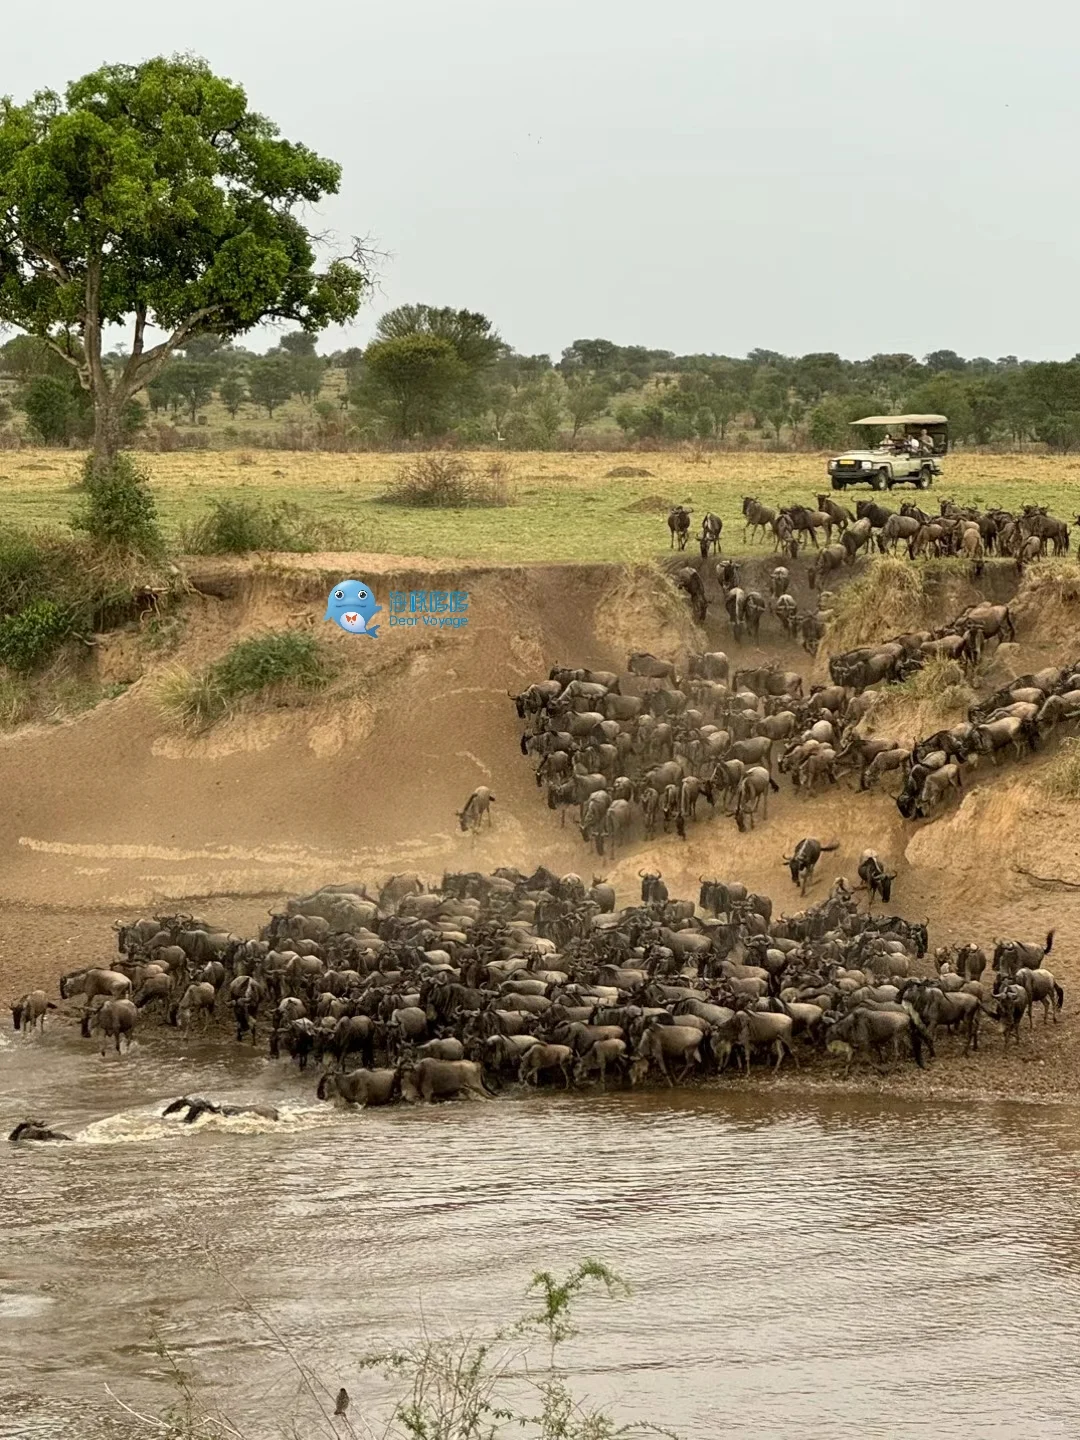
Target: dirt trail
115, 813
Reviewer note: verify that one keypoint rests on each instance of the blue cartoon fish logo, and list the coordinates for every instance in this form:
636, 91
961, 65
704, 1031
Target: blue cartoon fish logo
352, 606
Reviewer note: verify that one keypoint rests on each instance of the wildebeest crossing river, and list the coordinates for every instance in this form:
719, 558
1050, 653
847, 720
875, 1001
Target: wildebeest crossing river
825, 1267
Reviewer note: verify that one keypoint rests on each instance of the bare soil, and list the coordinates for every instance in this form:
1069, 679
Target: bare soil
115, 813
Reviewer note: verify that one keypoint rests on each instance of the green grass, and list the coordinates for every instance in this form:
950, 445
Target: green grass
279, 661
564, 505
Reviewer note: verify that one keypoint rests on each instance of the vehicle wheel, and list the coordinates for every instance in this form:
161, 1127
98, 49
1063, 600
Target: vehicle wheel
837, 483
925, 480
881, 480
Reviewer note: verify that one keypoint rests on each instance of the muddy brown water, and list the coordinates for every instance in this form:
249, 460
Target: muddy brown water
825, 1267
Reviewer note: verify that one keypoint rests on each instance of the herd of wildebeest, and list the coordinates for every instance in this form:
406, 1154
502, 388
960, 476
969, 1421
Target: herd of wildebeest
964, 532
638, 752
425, 992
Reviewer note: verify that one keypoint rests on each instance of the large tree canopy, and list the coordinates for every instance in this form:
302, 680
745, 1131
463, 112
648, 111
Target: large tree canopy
151, 196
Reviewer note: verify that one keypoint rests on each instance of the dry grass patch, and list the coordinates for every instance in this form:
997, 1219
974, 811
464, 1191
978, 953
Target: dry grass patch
1061, 775
933, 698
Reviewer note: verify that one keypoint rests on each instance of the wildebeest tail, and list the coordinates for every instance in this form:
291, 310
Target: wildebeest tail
1059, 995
773, 785
1049, 941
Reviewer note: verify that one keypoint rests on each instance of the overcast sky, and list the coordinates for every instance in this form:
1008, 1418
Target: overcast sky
695, 175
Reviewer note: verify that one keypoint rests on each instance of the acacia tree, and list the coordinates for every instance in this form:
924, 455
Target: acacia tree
150, 196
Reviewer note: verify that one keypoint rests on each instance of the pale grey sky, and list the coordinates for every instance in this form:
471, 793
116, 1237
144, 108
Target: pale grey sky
687, 174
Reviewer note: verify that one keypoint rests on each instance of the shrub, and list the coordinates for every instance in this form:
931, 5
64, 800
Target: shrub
31, 636
235, 527
23, 568
278, 661
119, 508
447, 481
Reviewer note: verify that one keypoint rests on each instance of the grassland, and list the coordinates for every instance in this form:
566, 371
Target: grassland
565, 507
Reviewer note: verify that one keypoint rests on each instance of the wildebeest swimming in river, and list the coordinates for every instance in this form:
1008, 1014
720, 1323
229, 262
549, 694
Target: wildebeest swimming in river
35, 1130
196, 1106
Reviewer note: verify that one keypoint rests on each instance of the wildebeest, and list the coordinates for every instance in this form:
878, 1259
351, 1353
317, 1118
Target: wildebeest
804, 858
752, 794
689, 581
875, 877
476, 808
29, 1010
35, 1130
429, 1080
116, 1020
711, 526
678, 522
642, 662
653, 889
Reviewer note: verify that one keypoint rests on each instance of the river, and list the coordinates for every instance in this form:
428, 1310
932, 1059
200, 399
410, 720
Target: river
814, 1267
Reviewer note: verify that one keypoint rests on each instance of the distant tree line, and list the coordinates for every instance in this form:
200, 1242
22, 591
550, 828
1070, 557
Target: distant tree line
434, 374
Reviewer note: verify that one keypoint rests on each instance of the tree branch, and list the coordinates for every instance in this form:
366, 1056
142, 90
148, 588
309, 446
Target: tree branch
144, 365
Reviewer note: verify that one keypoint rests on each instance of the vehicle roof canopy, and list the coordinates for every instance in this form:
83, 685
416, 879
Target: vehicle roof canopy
902, 420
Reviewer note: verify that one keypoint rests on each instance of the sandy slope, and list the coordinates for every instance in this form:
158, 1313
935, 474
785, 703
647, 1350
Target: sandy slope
115, 813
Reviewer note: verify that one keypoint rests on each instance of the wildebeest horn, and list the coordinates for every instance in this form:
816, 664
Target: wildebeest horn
642, 874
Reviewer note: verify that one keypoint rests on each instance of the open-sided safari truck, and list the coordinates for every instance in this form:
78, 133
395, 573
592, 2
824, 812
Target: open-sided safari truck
907, 453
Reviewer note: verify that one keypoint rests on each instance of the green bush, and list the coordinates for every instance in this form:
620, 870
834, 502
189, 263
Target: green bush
119, 508
275, 661
236, 527
30, 637
23, 568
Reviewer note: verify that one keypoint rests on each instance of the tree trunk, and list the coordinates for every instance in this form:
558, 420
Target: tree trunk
106, 430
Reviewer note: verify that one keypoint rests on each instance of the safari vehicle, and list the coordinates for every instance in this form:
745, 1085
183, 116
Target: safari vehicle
894, 459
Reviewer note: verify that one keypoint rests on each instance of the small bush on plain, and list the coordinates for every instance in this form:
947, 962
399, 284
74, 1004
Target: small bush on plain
449, 482
237, 527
